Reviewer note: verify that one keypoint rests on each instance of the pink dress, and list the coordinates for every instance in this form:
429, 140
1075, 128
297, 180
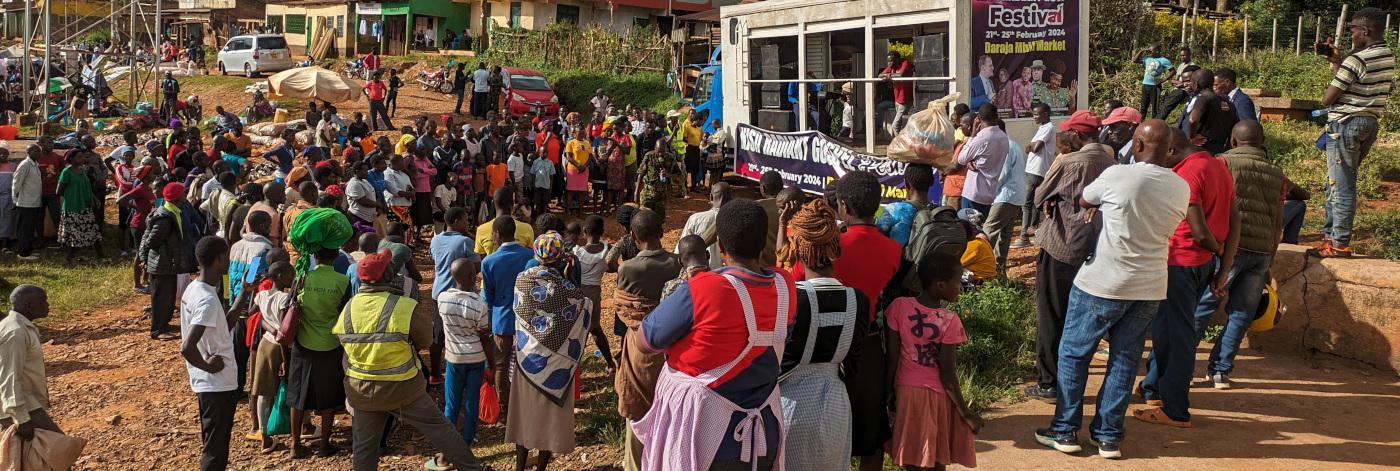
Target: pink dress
576, 179
927, 429
688, 420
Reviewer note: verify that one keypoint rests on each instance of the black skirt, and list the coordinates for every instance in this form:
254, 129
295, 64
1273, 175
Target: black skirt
422, 209
316, 380
870, 425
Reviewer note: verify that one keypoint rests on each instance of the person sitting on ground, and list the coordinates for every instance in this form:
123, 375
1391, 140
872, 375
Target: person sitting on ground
978, 258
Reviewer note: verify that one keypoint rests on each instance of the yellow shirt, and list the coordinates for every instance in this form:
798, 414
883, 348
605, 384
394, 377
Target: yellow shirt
979, 259
486, 244
578, 151
692, 134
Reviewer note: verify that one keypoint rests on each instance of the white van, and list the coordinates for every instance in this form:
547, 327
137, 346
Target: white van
255, 54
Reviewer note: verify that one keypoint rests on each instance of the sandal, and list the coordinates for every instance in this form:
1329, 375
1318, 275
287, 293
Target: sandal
1329, 250
432, 464
1155, 415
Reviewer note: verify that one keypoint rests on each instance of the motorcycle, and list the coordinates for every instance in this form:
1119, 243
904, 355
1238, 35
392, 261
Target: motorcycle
355, 69
439, 79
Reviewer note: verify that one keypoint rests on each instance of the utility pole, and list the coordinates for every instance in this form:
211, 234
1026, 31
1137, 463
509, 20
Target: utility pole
48, 57
28, 62
131, 71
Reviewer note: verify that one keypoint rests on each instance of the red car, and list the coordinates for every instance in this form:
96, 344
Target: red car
527, 90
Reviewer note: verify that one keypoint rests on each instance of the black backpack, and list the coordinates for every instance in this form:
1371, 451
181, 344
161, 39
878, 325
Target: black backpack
935, 229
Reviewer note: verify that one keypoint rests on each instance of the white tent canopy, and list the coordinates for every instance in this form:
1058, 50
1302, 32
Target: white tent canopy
314, 82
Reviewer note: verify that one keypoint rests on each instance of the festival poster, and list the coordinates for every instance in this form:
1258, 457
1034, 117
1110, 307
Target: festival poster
810, 160
1025, 52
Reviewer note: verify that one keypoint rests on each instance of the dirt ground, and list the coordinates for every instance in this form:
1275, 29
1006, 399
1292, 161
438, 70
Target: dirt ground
129, 396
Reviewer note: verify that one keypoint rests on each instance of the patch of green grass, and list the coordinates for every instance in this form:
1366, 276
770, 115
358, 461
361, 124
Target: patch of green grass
1384, 227
999, 353
73, 287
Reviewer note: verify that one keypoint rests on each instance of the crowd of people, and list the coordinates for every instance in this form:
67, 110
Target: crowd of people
790, 331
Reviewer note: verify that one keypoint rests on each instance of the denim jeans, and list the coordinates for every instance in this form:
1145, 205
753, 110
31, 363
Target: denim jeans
1089, 319
462, 394
1173, 358
1248, 276
1351, 141
1293, 213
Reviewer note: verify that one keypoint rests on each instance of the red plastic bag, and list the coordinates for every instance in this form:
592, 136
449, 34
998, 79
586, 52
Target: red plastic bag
490, 404
250, 329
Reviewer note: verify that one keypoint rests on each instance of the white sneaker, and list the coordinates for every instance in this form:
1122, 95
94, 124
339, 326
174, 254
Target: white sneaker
1221, 380
30, 257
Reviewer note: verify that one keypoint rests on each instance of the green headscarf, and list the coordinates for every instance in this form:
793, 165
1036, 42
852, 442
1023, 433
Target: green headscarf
317, 229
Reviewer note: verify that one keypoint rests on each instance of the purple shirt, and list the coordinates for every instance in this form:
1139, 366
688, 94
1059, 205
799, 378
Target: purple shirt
987, 151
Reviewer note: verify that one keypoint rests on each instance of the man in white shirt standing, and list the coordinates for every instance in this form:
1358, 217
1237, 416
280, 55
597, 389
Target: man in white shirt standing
481, 91
208, 350
24, 392
703, 223
599, 101
1117, 291
1039, 155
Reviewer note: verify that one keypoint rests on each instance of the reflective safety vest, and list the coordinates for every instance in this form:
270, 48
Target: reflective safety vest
678, 139
373, 327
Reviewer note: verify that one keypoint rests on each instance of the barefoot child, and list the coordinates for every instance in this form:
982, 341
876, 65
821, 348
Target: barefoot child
466, 320
269, 366
933, 426
591, 253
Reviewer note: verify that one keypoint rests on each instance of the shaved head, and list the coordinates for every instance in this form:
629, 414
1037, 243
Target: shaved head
1152, 142
1247, 133
30, 301
1181, 147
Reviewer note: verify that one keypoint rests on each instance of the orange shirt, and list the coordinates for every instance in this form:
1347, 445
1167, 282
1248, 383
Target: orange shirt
496, 175
8, 132
953, 182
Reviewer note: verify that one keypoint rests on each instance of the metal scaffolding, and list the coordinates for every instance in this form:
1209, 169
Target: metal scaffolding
142, 32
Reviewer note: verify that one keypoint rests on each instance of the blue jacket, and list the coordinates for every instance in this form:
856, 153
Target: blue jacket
498, 273
1244, 105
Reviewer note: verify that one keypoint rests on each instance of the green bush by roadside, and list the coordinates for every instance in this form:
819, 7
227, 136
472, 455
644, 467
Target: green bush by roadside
999, 353
647, 90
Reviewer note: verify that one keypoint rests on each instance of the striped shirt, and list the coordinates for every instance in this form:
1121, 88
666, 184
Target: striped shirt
463, 314
1364, 79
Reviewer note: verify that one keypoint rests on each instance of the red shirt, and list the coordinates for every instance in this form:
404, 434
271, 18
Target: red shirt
550, 147
50, 165
141, 202
902, 90
8, 132
868, 260
702, 328
174, 151
376, 89
1213, 190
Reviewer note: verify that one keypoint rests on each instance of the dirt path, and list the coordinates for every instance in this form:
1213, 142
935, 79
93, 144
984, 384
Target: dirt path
1284, 413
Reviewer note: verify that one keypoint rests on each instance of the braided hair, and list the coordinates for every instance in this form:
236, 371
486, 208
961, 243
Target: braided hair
813, 237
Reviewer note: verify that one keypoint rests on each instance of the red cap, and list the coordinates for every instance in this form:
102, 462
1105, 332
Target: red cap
371, 268
172, 191
1123, 114
1081, 121
334, 190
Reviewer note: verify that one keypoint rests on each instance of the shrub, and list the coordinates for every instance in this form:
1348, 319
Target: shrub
648, 91
999, 352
